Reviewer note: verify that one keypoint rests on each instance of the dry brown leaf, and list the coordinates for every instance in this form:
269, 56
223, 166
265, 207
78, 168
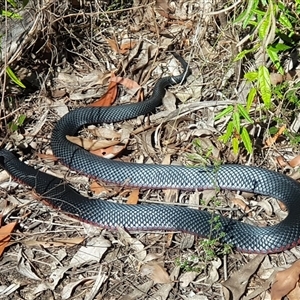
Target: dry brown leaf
237, 283
97, 189
114, 150
124, 48
105, 133
110, 96
129, 84
156, 272
286, 281
5, 232
187, 277
109, 152
295, 293
91, 145
281, 161
47, 156
276, 78
133, 197
139, 249
162, 5
295, 162
272, 140
71, 242
240, 203
113, 45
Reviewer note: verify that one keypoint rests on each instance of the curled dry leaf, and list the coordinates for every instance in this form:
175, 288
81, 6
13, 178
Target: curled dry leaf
287, 283
237, 283
25, 267
110, 96
267, 207
156, 272
133, 197
129, 84
187, 278
140, 252
104, 132
281, 161
240, 203
5, 232
91, 145
92, 251
47, 156
272, 140
213, 272
114, 150
98, 190
71, 242
123, 48
276, 78
109, 152
295, 162
69, 288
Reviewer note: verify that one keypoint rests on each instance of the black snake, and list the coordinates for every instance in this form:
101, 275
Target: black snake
108, 214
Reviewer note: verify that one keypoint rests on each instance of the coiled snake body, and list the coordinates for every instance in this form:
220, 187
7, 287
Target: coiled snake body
108, 214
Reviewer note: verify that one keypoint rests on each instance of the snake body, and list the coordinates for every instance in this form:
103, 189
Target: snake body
107, 214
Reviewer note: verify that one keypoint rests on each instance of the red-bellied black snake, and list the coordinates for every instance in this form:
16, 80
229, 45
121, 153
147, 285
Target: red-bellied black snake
109, 214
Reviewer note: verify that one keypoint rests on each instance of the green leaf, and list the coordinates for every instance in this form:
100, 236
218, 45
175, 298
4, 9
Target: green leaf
264, 28
21, 120
250, 98
224, 112
235, 145
240, 18
10, 14
283, 20
252, 5
242, 54
243, 112
246, 140
279, 47
13, 126
236, 121
273, 130
251, 76
227, 135
14, 78
264, 85
259, 12
12, 3
275, 59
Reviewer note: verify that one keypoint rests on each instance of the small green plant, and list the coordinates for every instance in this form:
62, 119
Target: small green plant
13, 6
236, 131
201, 155
14, 78
189, 264
214, 247
15, 125
274, 25
119, 5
